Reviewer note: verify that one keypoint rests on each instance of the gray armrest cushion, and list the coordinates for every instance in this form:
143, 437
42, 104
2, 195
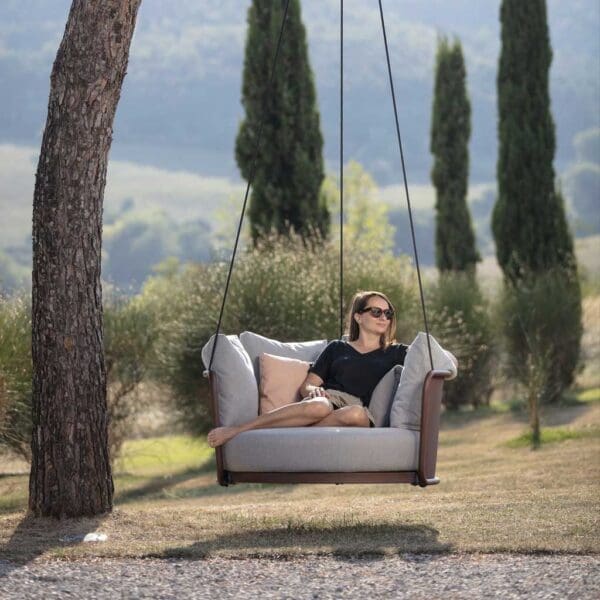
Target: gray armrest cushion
237, 400
406, 407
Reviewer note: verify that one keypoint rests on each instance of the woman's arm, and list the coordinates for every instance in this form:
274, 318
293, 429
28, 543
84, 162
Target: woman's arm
311, 388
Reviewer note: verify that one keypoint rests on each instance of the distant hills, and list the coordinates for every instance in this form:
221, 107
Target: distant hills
180, 108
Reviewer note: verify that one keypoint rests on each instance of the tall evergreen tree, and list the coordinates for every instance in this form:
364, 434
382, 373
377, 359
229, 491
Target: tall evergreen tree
450, 131
528, 222
533, 243
286, 189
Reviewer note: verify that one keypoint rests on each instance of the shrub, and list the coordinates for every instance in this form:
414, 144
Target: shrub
461, 321
15, 375
129, 342
542, 324
283, 289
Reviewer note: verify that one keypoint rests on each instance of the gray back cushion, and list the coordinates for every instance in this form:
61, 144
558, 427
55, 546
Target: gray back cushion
237, 399
383, 395
255, 345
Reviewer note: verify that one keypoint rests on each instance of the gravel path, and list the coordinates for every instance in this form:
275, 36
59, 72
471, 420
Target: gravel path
409, 576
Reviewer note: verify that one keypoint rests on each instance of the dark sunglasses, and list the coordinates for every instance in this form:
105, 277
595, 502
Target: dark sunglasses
377, 312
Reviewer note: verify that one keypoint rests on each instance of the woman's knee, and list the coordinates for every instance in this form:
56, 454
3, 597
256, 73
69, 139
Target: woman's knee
354, 416
317, 408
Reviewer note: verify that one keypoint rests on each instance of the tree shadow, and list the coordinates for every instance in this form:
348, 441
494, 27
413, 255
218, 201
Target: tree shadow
345, 542
34, 536
161, 487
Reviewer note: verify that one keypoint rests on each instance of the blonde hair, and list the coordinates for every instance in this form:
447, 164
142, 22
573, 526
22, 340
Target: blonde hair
359, 303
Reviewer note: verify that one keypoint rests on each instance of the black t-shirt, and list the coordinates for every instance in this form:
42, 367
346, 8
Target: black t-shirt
343, 368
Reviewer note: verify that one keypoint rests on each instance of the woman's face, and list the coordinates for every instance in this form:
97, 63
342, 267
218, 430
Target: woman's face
368, 323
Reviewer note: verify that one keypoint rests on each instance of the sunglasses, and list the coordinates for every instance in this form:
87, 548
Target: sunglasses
377, 312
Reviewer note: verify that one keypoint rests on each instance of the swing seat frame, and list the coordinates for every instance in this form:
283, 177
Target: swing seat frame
424, 475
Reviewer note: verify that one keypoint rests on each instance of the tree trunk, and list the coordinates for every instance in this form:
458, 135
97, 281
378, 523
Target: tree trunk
534, 418
70, 469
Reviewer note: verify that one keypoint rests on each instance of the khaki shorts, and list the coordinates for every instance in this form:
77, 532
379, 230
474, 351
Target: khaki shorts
340, 399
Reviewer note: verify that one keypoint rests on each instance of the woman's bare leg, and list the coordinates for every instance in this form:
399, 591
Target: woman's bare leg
299, 414
347, 416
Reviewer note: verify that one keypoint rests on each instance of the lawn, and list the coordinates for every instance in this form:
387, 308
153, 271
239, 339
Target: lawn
495, 495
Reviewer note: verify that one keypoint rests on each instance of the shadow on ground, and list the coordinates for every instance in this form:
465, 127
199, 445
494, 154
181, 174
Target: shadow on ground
34, 536
343, 541
180, 486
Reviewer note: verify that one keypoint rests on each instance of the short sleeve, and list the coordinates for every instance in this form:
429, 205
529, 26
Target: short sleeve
401, 350
323, 363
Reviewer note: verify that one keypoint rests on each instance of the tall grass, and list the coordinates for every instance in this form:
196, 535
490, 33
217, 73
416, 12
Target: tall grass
15, 375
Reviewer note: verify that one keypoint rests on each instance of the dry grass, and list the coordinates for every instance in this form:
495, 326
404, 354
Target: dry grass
493, 498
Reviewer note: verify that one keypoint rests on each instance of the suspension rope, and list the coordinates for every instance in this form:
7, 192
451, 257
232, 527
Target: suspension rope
250, 179
412, 228
341, 168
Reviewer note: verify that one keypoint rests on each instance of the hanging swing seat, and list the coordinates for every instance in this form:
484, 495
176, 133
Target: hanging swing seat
404, 451
401, 449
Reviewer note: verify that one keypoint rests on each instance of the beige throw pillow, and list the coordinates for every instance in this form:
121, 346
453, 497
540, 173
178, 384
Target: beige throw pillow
280, 380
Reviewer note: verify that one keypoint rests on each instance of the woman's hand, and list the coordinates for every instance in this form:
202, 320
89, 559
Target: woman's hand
318, 392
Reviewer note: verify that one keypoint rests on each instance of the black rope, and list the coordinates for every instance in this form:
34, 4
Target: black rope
412, 228
250, 179
341, 168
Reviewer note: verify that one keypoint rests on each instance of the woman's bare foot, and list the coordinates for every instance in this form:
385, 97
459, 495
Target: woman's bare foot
220, 435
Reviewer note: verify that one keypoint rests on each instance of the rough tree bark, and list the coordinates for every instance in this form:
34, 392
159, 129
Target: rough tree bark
70, 470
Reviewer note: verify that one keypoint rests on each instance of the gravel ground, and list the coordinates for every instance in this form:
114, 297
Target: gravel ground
413, 576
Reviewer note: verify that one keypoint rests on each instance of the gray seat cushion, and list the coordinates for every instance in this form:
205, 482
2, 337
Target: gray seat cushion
336, 449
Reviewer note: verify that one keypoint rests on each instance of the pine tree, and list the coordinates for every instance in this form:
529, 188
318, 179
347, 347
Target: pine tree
528, 223
450, 132
286, 189
70, 469
533, 243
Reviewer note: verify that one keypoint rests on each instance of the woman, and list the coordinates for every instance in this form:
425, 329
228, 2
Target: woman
338, 387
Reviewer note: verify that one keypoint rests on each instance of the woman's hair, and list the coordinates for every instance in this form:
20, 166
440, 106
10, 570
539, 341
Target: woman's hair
359, 303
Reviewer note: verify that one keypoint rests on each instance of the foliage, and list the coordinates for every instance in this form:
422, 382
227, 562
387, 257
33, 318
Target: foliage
541, 319
134, 242
450, 132
129, 345
15, 375
366, 218
528, 222
280, 288
289, 163
129, 339
461, 321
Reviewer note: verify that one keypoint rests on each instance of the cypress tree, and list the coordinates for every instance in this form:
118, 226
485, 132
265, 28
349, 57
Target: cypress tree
286, 190
533, 243
528, 222
450, 131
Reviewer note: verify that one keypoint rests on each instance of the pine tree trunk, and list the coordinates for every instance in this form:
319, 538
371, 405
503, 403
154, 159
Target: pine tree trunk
70, 470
